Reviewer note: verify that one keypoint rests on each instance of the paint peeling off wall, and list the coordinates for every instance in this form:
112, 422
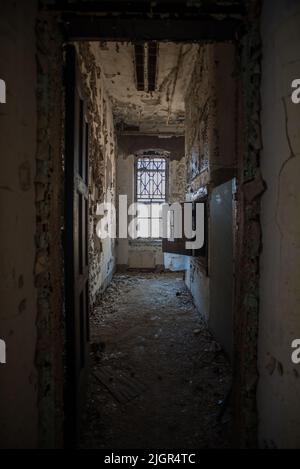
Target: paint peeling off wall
210, 117
200, 118
102, 159
211, 155
49, 212
177, 180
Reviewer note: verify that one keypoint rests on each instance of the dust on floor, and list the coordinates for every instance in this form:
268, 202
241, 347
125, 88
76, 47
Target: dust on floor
158, 379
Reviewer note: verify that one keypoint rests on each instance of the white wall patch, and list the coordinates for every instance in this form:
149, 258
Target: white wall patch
2, 92
2, 352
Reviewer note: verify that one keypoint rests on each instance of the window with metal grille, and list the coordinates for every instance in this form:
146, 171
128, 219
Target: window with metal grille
151, 183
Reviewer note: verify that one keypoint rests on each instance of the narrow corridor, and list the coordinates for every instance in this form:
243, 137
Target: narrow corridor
144, 136
158, 379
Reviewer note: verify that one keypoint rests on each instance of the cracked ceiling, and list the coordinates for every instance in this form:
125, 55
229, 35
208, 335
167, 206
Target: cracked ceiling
161, 111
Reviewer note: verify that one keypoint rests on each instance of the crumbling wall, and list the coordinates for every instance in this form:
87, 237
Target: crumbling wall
177, 180
279, 319
102, 161
200, 106
49, 205
210, 117
201, 142
211, 154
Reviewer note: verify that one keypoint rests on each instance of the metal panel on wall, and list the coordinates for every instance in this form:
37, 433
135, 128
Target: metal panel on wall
221, 265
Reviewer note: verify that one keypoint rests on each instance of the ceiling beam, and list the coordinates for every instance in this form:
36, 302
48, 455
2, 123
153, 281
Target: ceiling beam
152, 65
139, 58
92, 27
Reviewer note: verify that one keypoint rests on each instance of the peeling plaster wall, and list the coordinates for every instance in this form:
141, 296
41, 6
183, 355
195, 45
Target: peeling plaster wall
279, 322
18, 309
102, 160
211, 154
210, 117
49, 203
141, 254
161, 110
200, 144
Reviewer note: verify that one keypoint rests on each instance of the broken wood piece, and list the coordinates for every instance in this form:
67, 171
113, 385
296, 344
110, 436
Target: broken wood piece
122, 387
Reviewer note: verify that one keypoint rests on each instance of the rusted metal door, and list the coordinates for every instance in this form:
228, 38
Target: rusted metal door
76, 247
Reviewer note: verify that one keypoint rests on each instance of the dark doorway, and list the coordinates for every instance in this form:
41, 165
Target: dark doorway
76, 247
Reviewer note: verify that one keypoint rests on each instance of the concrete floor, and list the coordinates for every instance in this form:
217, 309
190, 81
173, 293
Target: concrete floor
158, 379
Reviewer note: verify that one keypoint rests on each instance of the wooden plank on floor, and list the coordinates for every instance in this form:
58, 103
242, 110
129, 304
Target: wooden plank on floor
122, 387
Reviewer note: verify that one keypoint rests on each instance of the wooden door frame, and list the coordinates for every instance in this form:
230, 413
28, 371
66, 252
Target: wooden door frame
73, 378
248, 210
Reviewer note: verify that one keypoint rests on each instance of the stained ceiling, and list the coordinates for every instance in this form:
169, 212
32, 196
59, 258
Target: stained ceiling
160, 111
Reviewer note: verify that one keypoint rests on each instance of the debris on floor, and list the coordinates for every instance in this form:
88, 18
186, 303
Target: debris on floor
158, 379
123, 388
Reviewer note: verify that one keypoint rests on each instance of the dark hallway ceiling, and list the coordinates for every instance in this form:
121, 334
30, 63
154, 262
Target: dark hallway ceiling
150, 20
159, 110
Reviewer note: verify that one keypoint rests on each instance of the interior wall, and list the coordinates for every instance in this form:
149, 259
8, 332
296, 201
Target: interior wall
18, 297
279, 322
148, 254
102, 159
210, 147
210, 103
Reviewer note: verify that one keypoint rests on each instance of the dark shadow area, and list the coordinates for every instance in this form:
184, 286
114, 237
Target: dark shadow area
158, 378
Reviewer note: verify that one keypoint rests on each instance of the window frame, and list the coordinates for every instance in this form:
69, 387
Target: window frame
148, 154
